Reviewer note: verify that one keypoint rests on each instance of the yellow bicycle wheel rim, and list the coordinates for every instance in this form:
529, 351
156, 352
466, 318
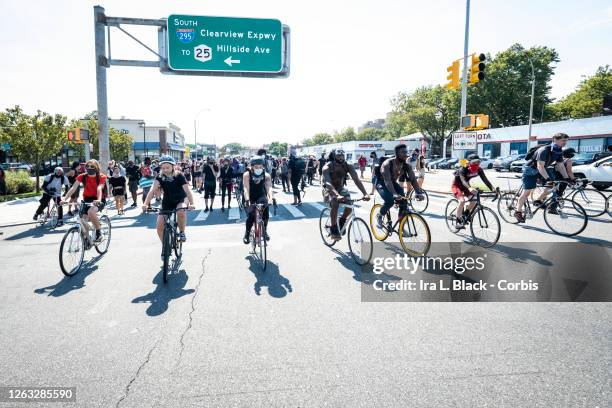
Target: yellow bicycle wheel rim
422, 228
379, 235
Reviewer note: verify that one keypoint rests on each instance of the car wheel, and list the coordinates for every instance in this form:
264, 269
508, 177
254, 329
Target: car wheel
490, 166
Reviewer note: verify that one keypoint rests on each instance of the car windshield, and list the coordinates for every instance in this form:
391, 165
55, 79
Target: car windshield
584, 156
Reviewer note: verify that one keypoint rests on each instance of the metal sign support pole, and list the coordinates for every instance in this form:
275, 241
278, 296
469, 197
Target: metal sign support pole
101, 62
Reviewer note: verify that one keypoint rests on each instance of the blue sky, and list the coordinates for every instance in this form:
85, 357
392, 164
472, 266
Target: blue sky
348, 59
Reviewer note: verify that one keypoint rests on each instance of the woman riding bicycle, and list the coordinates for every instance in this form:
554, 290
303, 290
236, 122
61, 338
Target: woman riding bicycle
175, 189
257, 185
461, 186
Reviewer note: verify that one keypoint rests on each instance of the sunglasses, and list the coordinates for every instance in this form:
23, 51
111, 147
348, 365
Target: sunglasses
91, 168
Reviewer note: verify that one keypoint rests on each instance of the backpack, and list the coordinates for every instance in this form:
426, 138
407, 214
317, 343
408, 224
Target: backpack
531, 154
300, 165
379, 164
104, 189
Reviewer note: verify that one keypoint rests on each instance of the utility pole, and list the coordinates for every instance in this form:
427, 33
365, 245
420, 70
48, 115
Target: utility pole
531, 105
465, 65
101, 63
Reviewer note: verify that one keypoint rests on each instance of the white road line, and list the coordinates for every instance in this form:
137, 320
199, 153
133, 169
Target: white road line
234, 214
293, 210
202, 216
316, 205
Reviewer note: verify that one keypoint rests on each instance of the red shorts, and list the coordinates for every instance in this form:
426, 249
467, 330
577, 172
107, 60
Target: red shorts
460, 191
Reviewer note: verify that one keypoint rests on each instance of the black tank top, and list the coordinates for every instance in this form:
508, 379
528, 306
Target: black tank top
256, 190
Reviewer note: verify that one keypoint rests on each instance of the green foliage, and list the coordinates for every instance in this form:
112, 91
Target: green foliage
398, 124
587, 100
120, 144
231, 149
372, 134
278, 149
18, 182
345, 135
319, 139
505, 93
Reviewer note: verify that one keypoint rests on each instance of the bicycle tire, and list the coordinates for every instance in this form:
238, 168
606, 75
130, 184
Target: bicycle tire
380, 236
450, 215
596, 196
609, 205
506, 207
562, 203
105, 223
166, 249
324, 229
63, 265
411, 218
478, 216
361, 260
420, 209
178, 247
263, 248
53, 216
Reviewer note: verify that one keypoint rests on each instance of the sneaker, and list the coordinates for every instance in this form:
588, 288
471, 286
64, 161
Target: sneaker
335, 234
182, 237
553, 210
341, 223
134, 205
222, 209
519, 216
459, 225
206, 209
35, 217
246, 239
98, 236
211, 209
379, 221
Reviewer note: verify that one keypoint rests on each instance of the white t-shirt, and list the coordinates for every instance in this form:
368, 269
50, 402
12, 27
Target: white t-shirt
54, 184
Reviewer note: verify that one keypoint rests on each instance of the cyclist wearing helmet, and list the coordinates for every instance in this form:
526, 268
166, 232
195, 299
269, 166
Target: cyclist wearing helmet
334, 175
461, 186
52, 190
175, 191
257, 190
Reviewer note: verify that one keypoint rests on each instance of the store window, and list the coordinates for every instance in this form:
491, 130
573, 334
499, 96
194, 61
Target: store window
609, 143
491, 150
518, 148
575, 143
591, 145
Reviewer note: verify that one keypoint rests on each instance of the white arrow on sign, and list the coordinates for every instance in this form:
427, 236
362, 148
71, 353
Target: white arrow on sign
229, 61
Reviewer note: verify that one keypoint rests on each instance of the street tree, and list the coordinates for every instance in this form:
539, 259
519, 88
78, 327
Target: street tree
120, 143
587, 100
278, 149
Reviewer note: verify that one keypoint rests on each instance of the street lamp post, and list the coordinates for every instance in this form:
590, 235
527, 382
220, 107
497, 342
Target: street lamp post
144, 136
531, 104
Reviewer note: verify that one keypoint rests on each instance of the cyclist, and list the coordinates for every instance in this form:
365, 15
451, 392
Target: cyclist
52, 190
568, 154
461, 186
94, 184
257, 185
389, 171
539, 166
334, 175
226, 179
175, 189
72, 175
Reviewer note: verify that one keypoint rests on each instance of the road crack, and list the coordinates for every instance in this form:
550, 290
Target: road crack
193, 298
142, 365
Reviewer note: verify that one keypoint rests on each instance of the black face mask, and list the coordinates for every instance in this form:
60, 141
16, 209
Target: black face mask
91, 172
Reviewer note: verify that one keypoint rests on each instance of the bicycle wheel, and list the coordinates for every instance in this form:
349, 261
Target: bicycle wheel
263, 248
105, 229
166, 249
418, 206
450, 214
506, 207
414, 235
609, 205
592, 201
485, 227
53, 216
360, 241
379, 234
72, 250
325, 227
567, 218
178, 247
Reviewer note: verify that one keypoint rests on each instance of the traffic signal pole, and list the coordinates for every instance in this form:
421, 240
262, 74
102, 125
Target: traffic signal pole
465, 63
101, 63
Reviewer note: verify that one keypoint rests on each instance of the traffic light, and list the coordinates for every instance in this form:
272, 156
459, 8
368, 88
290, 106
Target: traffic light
74, 135
475, 122
70, 135
477, 68
453, 76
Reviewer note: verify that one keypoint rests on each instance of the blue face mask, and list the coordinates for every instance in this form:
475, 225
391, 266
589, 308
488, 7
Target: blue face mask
557, 151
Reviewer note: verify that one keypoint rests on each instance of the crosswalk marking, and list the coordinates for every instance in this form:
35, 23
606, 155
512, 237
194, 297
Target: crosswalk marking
294, 211
316, 205
202, 216
234, 214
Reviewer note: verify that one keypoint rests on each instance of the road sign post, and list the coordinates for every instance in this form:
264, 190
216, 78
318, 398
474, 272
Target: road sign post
464, 140
224, 44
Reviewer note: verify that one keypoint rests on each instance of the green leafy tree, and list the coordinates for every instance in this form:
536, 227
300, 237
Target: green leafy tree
318, 139
346, 135
35, 138
587, 100
431, 110
397, 125
120, 144
505, 93
372, 134
231, 149
278, 149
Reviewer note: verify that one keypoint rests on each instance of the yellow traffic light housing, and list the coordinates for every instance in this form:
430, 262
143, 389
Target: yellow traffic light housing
477, 68
475, 122
453, 76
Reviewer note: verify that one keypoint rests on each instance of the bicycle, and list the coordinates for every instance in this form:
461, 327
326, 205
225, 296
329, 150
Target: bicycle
50, 214
79, 238
558, 211
170, 240
609, 205
418, 204
481, 219
593, 201
238, 192
414, 233
258, 234
360, 242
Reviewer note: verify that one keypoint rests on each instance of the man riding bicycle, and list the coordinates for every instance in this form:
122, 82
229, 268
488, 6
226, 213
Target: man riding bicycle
52, 190
461, 186
175, 189
334, 176
94, 183
257, 185
387, 184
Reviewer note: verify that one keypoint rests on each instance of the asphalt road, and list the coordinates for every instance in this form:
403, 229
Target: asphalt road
222, 333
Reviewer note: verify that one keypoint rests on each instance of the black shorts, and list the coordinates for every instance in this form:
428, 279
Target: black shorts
209, 190
133, 184
118, 192
83, 209
169, 205
197, 174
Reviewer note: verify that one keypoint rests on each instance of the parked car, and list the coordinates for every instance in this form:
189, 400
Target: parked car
432, 164
486, 163
517, 165
448, 163
599, 172
503, 163
19, 167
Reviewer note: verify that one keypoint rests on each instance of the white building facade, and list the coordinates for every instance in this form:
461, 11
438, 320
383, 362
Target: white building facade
151, 141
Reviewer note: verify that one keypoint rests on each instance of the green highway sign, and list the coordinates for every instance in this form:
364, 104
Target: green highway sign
224, 44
